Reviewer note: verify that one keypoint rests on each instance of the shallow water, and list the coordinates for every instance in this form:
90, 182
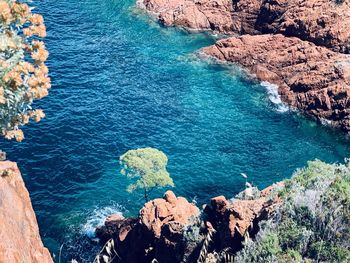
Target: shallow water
121, 82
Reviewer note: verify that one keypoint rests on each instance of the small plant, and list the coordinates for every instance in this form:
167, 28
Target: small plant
7, 172
148, 165
203, 254
339, 2
108, 253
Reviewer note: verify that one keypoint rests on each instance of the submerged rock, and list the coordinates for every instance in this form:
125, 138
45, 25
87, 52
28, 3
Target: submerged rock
312, 79
19, 231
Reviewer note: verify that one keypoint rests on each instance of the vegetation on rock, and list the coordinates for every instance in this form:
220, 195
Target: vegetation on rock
148, 165
23, 73
303, 219
313, 223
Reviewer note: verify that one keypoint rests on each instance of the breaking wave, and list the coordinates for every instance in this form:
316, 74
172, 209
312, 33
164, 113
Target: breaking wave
98, 217
274, 97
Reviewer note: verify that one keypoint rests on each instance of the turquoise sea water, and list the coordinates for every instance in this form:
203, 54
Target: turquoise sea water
120, 82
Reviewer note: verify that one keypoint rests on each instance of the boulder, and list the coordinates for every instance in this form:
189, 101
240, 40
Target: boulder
158, 212
156, 233
234, 220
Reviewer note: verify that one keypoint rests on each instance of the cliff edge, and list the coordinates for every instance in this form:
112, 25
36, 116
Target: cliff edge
19, 231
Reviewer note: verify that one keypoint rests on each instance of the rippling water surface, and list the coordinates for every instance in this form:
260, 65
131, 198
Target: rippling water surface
120, 82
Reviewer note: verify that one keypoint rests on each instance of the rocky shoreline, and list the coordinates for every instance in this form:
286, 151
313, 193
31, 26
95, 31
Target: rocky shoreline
302, 46
170, 229
285, 222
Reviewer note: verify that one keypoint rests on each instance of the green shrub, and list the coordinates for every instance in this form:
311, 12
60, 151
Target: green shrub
312, 224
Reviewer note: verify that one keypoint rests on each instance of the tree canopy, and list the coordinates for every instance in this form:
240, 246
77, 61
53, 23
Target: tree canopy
148, 165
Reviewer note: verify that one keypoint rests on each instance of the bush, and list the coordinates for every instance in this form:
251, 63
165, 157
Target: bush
312, 224
23, 73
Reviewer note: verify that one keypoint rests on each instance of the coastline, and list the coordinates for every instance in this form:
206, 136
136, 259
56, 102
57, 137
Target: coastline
321, 90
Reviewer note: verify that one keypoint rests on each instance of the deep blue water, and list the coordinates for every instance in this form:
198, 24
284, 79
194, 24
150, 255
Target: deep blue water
120, 82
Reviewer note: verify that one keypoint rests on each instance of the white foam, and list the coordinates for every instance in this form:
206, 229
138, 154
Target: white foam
97, 218
274, 97
326, 122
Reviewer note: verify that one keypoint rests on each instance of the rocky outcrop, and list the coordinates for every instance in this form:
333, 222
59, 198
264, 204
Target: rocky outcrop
159, 212
235, 220
223, 16
323, 22
156, 233
294, 44
20, 239
170, 229
312, 79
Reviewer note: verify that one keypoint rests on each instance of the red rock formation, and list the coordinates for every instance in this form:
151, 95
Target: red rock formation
323, 22
312, 79
234, 220
19, 232
158, 212
157, 233
224, 16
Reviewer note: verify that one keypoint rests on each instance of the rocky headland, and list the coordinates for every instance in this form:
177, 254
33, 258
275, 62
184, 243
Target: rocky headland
19, 229
302, 46
285, 222
311, 78
171, 229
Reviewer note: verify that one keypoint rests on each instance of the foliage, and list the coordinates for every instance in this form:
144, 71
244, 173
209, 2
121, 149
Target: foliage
148, 165
23, 73
108, 253
313, 223
205, 246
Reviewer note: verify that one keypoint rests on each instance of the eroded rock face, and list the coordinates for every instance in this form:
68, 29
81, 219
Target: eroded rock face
223, 16
170, 229
235, 220
323, 22
156, 233
158, 212
312, 79
20, 240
